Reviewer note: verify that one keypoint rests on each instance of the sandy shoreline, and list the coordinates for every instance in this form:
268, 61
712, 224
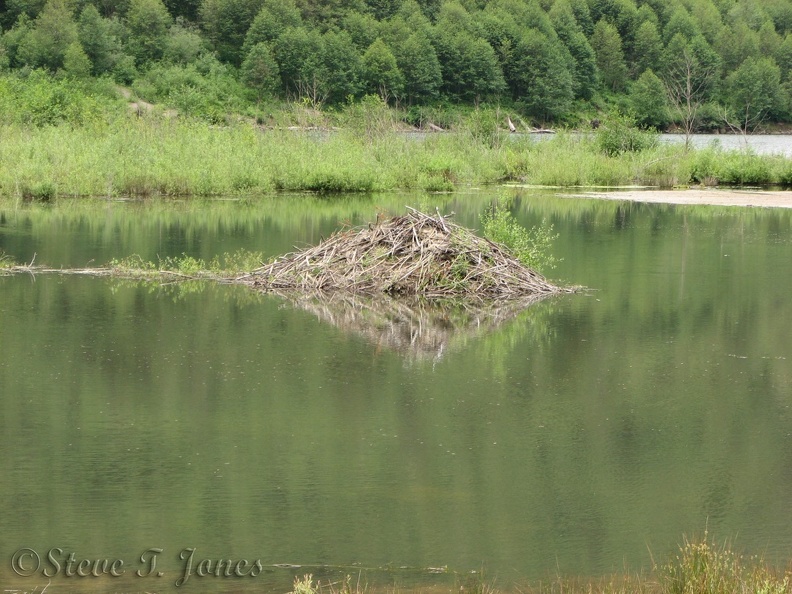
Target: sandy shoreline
774, 199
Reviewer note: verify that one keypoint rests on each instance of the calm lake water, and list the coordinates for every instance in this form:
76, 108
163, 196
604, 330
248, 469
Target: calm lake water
763, 144
574, 438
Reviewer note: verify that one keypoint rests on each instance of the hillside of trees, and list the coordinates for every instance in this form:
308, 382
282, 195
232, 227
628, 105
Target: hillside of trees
695, 64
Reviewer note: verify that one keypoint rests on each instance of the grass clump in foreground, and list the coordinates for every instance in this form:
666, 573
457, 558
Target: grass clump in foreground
700, 567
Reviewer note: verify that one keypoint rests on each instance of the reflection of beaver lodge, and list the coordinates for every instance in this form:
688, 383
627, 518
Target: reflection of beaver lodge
411, 255
416, 328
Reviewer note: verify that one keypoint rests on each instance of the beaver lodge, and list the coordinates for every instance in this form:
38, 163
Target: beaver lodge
411, 255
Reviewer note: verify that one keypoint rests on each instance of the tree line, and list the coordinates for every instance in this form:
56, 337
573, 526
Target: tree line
701, 64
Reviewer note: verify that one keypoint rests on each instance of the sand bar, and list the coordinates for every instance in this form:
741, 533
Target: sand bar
774, 199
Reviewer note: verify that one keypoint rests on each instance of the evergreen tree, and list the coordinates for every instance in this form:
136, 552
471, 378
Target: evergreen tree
17, 8
183, 45
259, 71
783, 57
681, 23
708, 20
584, 63
769, 40
300, 56
648, 101
186, 9
648, 48
363, 29
13, 38
383, 9
543, 84
610, 58
735, 44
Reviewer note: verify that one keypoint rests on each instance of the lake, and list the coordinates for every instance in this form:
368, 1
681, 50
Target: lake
762, 144
186, 424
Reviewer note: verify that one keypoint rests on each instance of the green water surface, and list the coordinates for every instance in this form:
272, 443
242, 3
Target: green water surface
576, 437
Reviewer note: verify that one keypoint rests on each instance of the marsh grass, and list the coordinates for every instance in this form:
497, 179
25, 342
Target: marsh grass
226, 266
158, 156
701, 566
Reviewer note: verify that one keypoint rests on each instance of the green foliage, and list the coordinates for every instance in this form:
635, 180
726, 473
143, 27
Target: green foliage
529, 246
274, 18
381, 74
148, 22
40, 100
418, 62
207, 89
260, 71
98, 39
754, 92
76, 63
607, 44
45, 43
342, 67
618, 134
648, 101
647, 48
6, 261
226, 23
536, 57
540, 79
183, 45
300, 56
227, 265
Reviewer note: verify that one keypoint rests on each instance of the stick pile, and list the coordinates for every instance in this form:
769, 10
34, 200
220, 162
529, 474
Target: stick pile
413, 254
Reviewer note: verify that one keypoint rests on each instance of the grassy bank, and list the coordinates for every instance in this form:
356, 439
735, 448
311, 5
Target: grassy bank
700, 567
159, 156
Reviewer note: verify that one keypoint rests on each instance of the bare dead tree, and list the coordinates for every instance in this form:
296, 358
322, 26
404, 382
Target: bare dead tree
313, 91
748, 122
686, 83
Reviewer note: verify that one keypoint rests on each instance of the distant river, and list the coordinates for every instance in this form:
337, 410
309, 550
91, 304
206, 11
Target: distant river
763, 144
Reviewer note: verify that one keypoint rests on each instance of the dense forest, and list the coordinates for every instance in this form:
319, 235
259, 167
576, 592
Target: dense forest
700, 64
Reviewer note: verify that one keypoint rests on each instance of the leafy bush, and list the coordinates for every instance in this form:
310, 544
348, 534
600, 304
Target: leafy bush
618, 134
42, 100
207, 90
530, 246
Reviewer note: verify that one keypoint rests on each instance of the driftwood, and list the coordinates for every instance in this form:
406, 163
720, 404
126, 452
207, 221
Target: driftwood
411, 255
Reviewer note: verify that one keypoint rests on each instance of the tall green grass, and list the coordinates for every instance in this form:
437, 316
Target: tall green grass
129, 156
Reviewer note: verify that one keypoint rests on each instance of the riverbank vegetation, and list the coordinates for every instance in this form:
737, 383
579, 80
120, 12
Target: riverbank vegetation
701, 566
219, 97
695, 65
152, 156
